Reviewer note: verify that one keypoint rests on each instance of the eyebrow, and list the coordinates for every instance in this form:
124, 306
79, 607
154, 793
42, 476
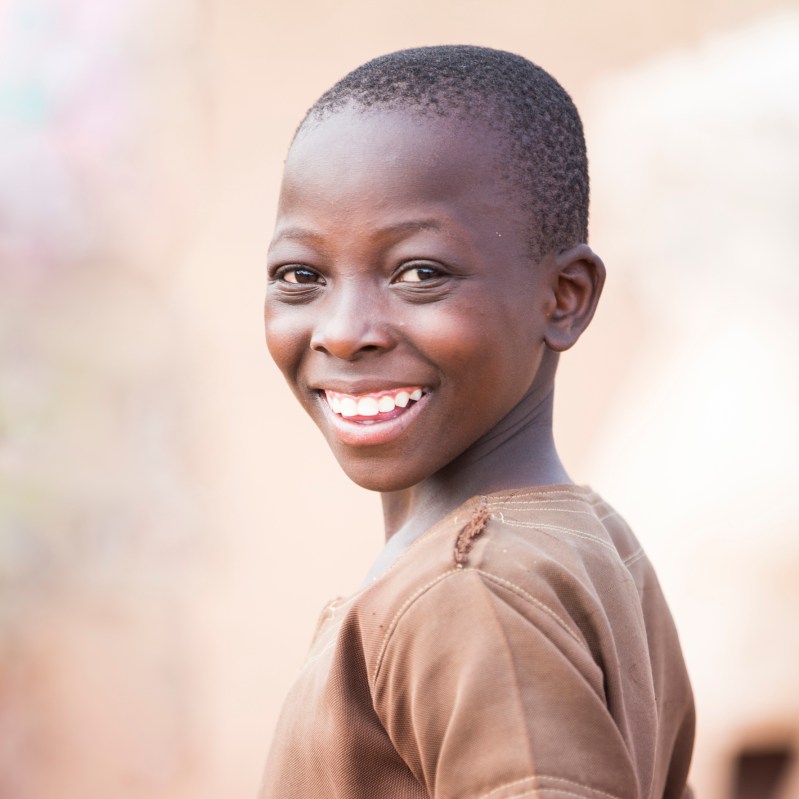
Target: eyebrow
411, 226
296, 233
415, 224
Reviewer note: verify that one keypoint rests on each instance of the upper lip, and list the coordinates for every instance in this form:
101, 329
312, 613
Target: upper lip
364, 385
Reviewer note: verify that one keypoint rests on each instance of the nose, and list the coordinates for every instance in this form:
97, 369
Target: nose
351, 322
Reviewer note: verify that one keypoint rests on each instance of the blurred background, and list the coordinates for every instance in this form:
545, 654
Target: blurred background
170, 523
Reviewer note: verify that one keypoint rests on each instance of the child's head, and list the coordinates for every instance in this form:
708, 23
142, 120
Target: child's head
428, 261
535, 119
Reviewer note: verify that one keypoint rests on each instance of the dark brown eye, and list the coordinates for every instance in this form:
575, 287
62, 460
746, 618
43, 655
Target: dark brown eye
418, 274
298, 274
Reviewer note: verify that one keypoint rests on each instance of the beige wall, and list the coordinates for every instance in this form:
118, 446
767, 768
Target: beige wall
170, 524
696, 166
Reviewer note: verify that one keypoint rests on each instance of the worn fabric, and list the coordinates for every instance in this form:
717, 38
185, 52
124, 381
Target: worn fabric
521, 648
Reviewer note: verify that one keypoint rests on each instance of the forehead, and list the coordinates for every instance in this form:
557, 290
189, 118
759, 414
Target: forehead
398, 153
406, 127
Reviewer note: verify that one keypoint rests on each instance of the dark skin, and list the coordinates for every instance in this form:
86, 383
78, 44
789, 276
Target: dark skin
401, 262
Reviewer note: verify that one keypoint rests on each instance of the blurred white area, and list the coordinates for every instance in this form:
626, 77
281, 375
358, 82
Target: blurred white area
103, 171
171, 524
83, 90
695, 163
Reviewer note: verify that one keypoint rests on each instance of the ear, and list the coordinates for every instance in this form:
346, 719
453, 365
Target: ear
577, 277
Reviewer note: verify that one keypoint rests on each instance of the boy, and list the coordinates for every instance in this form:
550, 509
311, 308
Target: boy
428, 265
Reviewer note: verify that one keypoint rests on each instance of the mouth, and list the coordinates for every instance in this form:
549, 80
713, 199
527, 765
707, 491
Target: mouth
373, 407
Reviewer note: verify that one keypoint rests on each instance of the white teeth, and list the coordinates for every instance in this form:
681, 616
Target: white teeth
348, 407
371, 405
367, 406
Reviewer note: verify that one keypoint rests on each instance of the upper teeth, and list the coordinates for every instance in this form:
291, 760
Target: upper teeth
368, 405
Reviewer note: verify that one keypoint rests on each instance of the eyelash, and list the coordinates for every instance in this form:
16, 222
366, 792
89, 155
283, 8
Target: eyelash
437, 272
314, 279
281, 273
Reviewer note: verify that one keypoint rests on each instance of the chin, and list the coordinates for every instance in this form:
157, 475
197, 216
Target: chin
383, 480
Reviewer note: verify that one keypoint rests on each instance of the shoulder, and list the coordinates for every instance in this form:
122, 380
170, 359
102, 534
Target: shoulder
544, 556
520, 619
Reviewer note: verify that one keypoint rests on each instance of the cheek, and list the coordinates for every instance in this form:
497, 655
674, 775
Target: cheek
474, 341
287, 338
491, 359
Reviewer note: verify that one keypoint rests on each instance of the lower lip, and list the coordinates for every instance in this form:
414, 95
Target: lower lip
373, 430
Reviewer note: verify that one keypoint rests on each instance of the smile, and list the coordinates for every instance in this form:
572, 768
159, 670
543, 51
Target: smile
375, 406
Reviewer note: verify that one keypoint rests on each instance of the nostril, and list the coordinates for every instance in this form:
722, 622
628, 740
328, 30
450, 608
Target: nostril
348, 341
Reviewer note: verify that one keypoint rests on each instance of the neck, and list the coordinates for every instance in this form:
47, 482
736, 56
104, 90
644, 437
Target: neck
518, 452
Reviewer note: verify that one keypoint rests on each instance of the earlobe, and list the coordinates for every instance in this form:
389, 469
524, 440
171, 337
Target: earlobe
577, 276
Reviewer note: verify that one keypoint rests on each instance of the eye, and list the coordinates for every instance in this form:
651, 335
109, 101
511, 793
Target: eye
419, 273
298, 274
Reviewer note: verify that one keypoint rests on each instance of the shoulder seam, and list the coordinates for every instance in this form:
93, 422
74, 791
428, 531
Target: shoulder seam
519, 591
556, 528
635, 557
398, 615
538, 785
501, 581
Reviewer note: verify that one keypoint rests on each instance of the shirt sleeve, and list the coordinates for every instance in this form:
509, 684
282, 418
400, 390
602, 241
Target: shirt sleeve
488, 693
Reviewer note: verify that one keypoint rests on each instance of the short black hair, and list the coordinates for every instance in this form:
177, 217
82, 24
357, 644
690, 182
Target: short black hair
530, 110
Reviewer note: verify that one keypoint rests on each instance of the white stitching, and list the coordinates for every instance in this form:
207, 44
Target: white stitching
493, 578
405, 605
579, 785
569, 494
507, 785
558, 528
557, 509
535, 791
636, 556
311, 659
530, 598
544, 504
540, 778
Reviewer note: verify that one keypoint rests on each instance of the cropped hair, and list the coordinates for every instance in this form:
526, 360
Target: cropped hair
532, 113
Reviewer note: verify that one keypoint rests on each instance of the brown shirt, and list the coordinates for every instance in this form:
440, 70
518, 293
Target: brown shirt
521, 648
